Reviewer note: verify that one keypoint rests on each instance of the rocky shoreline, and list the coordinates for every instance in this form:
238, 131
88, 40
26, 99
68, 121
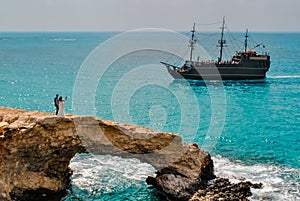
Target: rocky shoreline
223, 189
36, 149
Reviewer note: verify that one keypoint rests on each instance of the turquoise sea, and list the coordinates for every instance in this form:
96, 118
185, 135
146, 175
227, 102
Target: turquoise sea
251, 128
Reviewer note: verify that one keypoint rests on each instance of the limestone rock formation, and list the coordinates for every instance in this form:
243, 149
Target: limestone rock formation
223, 189
36, 149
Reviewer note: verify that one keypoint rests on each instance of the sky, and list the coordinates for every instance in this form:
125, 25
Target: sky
124, 15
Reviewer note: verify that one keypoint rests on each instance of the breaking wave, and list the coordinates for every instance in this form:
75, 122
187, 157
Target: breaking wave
283, 76
279, 183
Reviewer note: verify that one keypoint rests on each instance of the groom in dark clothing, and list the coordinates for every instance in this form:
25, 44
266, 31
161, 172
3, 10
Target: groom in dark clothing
56, 103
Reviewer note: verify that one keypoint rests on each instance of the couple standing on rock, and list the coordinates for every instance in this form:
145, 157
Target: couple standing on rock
59, 104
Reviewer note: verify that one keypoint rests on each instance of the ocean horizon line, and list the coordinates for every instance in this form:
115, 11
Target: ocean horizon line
145, 28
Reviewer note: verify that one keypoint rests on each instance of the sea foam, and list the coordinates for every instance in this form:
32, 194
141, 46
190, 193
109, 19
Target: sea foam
284, 76
279, 183
98, 176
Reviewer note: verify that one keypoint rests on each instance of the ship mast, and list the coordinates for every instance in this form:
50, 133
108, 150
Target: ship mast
192, 42
246, 40
222, 42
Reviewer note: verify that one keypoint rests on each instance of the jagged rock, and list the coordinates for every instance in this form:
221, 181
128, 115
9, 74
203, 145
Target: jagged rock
222, 189
36, 149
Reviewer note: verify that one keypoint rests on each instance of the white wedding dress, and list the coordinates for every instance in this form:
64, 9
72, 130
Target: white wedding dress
61, 109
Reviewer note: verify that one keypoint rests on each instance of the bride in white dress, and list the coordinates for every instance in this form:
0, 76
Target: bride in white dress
61, 108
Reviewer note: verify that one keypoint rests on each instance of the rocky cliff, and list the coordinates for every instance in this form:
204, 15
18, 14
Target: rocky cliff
36, 149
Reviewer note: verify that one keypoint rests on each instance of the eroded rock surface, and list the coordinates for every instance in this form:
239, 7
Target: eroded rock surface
223, 189
36, 149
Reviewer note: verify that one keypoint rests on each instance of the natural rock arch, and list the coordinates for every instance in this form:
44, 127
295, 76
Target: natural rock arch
36, 149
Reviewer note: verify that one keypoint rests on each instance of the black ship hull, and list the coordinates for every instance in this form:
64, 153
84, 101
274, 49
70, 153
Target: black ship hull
219, 72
